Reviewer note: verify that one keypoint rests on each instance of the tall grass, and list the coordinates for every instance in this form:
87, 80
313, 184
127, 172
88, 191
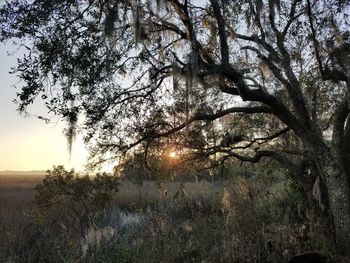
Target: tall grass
235, 221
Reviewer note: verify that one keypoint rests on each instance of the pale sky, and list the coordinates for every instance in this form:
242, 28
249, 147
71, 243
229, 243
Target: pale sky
28, 143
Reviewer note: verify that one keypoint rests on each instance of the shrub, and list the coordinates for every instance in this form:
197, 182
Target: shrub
76, 197
60, 186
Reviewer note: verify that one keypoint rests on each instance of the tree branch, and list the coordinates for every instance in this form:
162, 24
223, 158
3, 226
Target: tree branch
264, 153
182, 11
198, 117
315, 42
261, 140
292, 17
278, 107
222, 33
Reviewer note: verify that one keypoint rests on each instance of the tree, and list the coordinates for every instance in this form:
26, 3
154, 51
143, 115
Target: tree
140, 72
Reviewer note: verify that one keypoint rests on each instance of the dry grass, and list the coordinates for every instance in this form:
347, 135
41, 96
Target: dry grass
130, 193
158, 222
20, 229
16, 194
19, 180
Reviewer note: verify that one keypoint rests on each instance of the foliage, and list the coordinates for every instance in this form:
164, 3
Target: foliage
247, 221
153, 75
214, 79
80, 195
60, 185
137, 72
220, 229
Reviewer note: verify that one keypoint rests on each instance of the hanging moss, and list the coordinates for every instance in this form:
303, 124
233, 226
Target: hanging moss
72, 118
111, 18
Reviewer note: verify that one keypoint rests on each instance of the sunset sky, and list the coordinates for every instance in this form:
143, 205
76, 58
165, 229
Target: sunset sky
27, 143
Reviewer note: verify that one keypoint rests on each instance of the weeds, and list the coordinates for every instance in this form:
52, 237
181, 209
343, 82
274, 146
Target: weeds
235, 222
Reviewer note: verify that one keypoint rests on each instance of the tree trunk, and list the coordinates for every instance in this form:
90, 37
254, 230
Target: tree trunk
339, 203
330, 198
311, 180
331, 190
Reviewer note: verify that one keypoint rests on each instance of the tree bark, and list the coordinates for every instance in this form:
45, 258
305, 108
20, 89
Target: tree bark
329, 196
339, 202
316, 191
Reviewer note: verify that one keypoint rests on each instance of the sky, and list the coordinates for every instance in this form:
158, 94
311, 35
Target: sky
27, 143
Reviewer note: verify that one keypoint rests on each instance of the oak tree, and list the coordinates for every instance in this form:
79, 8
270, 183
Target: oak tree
138, 72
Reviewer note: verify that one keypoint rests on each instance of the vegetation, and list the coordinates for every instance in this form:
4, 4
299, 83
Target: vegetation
238, 222
207, 81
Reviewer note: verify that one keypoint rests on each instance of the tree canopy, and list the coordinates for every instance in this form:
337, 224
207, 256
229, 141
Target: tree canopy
243, 79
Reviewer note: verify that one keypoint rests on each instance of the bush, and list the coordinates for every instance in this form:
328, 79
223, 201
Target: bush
68, 189
65, 212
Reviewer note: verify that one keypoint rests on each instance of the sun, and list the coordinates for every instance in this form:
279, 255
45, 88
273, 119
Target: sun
172, 154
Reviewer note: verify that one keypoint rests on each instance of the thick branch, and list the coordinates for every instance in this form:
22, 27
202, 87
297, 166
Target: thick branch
273, 136
272, 19
273, 68
185, 18
222, 33
200, 117
229, 90
212, 117
260, 140
291, 84
314, 38
293, 87
265, 153
278, 107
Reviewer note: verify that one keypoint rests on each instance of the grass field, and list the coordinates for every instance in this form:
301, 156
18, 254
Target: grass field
157, 222
17, 192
